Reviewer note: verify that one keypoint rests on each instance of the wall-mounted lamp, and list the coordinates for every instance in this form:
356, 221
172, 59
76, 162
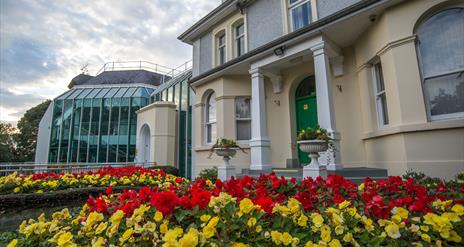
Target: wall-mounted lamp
277, 102
339, 88
279, 51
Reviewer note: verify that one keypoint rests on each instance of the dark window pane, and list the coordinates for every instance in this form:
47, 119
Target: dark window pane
244, 130
307, 87
446, 94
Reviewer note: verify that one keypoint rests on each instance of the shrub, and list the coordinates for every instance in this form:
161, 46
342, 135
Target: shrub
210, 173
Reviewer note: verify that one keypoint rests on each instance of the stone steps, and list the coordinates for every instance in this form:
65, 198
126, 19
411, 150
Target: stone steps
354, 174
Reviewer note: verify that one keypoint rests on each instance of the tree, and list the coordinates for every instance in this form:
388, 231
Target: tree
28, 127
7, 142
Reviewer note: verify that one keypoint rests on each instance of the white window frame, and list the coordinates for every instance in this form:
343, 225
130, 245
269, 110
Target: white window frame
207, 122
219, 47
377, 78
237, 38
296, 5
238, 119
448, 116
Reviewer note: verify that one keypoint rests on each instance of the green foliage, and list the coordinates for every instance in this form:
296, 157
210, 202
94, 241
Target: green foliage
169, 170
7, 237
210, 173
28, 127
225, 143
7, 142
313, 134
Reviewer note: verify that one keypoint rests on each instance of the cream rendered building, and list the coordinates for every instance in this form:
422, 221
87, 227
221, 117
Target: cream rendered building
384, 77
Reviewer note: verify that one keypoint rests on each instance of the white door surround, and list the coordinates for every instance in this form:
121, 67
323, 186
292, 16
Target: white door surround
260, 143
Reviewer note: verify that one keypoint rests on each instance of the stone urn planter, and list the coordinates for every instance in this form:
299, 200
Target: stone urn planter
225, 171
314, 147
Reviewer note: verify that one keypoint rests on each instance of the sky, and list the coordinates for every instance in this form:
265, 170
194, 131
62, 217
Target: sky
45, 43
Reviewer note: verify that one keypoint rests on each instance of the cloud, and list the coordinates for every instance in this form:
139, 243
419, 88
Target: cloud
43, 43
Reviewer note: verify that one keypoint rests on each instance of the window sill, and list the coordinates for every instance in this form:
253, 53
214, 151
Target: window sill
419, 127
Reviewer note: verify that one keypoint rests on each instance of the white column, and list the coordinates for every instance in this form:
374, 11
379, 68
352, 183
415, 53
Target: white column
259, 143
325, 108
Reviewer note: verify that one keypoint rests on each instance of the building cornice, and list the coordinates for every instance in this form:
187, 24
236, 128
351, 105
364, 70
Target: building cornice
308, 31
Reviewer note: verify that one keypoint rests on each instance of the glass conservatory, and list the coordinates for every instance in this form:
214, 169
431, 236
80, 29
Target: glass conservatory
97, 124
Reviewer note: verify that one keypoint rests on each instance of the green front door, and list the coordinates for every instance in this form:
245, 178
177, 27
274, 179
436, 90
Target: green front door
306, 110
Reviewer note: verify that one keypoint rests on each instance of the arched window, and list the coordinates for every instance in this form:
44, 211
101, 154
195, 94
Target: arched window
210, 118
440, 47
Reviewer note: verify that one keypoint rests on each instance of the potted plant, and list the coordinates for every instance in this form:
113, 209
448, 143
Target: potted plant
226, 149
314, 141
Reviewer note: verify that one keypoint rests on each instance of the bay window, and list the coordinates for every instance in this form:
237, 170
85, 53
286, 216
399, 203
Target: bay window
440, 48
243, 118
210, 118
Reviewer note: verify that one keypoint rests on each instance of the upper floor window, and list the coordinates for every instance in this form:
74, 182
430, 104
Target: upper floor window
380, 95
440, 46
239, 39
221, 48
210, 118
243, 118
299, 13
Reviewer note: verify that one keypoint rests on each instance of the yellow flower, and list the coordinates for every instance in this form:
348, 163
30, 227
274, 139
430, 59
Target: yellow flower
190, 239
158, 216
205, 217
99, 242
361, 187
163, 228
310, 244
425, 237
348, 237
335, 243
13, 243
115, 219
251, 222
455, 237
276, 237
352, 211
126, 235
339, 230
294, 205
403, 213
393, 231
326, 234
344, 204
303, 220
16, 190
451, 216
209, 231
259, 229
424, 228
286, 238
150, 226
172, 235
414, 228
246, 206
101, 227
317, 219
65, 239
459, 209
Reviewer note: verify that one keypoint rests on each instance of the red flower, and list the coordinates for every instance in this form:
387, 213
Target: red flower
164, 201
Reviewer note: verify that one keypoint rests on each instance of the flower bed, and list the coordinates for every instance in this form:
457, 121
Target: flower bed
268, 211
122, 176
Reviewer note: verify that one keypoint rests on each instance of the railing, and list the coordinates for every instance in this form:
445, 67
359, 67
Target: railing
31, 168
153, 67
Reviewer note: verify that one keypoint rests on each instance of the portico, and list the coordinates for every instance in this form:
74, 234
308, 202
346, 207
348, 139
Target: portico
317, 49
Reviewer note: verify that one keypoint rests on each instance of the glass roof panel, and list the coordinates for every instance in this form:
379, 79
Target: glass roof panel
102, 93
141, 92
112, 92
93, 93
84, 93
130, 91
75, 94
121, 92
66, 94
